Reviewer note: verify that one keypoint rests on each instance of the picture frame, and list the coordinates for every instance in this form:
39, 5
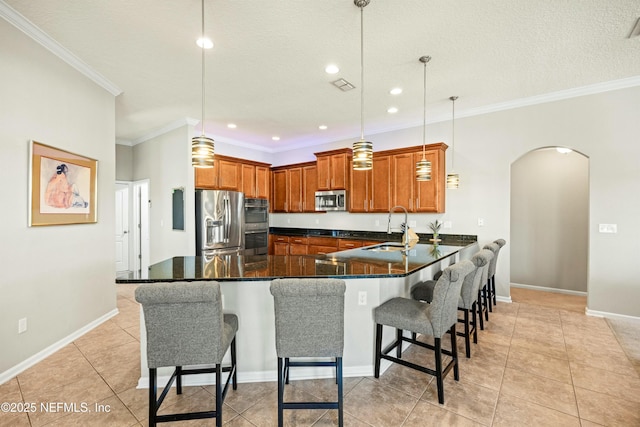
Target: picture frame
62, 186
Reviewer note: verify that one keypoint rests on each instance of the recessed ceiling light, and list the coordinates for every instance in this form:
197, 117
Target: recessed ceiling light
392, 110
396, 91
275, 138
332, 69
563, 150
204, 42
232, 126
322, 127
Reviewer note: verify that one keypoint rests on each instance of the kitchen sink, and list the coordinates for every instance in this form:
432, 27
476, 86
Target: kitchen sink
385, 247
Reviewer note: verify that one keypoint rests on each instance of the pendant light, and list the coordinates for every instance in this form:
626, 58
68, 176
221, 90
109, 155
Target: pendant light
423, 167
202, 147
453, 179
362, 150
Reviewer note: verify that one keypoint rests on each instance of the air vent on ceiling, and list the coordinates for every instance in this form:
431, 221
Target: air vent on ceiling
343, 85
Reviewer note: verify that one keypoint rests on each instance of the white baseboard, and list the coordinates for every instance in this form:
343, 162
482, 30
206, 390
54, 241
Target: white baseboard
41, 355
608, 315
504, 299
545, 289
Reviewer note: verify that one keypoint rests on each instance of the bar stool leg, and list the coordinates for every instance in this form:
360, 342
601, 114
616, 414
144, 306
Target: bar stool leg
454, 353
280, 392
376, 369
340, 389
218, 395
439, 380
399, 342
152, 397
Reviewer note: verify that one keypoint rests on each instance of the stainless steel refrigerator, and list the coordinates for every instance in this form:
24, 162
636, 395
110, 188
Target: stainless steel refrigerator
219, 222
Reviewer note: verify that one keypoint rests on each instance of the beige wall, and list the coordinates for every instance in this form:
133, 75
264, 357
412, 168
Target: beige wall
61, 278
550, 220
124, 163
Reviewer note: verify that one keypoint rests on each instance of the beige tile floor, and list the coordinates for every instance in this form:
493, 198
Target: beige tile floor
540, 361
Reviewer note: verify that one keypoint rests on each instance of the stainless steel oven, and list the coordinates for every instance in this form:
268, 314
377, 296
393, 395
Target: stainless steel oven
256, 226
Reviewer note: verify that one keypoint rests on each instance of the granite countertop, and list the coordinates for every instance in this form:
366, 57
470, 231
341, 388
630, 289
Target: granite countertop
349, 264
382, 236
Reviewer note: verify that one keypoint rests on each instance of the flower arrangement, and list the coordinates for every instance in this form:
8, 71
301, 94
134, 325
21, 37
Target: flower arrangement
435, 229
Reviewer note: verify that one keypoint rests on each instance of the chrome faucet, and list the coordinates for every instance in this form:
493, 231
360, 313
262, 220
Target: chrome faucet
406, 225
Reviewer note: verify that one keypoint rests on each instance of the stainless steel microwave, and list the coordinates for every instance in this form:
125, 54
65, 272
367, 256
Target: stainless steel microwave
335, 200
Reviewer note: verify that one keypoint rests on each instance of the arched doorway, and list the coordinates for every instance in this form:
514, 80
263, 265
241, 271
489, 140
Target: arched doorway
550, 221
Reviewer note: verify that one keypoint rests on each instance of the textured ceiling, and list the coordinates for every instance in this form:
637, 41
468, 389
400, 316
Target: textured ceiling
266, 71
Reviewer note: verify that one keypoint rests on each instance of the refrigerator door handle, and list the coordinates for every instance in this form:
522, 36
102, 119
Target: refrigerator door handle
227, 219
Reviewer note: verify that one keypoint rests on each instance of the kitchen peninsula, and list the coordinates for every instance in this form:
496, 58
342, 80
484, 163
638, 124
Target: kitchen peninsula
373, 274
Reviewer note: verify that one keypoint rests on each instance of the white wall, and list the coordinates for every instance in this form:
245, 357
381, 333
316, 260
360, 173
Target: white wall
124, 163
550, 207
166, 162
61, 278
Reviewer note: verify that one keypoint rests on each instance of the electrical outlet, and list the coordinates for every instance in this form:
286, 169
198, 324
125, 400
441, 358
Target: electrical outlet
362, 298
480, 222
317, 221
413, 224
22, 325
447, 224
377, 223
608, 228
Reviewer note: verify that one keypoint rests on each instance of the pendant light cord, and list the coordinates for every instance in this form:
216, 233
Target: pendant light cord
362, 73
424, 116
203, 89
453, 131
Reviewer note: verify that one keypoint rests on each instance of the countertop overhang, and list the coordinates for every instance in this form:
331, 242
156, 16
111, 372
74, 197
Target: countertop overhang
349, 264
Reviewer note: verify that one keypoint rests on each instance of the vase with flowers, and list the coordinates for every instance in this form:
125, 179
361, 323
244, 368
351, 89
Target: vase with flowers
435, 230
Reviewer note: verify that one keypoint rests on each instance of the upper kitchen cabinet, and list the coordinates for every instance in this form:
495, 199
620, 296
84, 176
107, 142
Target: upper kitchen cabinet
392, 182
309, 187
371, 190
289, 193
255, 180
229, 173
333, 169
430, 194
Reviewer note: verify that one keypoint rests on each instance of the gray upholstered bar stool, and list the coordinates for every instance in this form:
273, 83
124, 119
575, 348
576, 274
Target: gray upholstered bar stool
468, 301
309, 324
185, 326
434, 319
491, 282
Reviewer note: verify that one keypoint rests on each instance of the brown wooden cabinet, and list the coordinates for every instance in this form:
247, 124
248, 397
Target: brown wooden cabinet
370, 190
298, 245
430, 194
288, 188
229, 173
392, 182
278, 245
333, 169
309, 188
262, 181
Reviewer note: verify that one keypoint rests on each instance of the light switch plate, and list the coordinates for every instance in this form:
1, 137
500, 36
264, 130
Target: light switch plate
608, 228
447, 224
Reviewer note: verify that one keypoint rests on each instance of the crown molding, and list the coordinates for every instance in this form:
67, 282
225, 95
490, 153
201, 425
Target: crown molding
30, 29
176, 124
525, 102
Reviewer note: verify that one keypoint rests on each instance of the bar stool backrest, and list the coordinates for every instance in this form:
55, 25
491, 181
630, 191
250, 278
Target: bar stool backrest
476, 278
309, 317
443, 309
184, 323
495, 248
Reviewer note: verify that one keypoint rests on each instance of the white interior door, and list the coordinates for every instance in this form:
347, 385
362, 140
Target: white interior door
122, 227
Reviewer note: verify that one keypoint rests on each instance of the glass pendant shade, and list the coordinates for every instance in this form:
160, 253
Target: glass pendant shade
362, 155
202, 152
453, 181
423, 170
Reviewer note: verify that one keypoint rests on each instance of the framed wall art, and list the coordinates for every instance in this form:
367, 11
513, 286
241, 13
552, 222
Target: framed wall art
62, 187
